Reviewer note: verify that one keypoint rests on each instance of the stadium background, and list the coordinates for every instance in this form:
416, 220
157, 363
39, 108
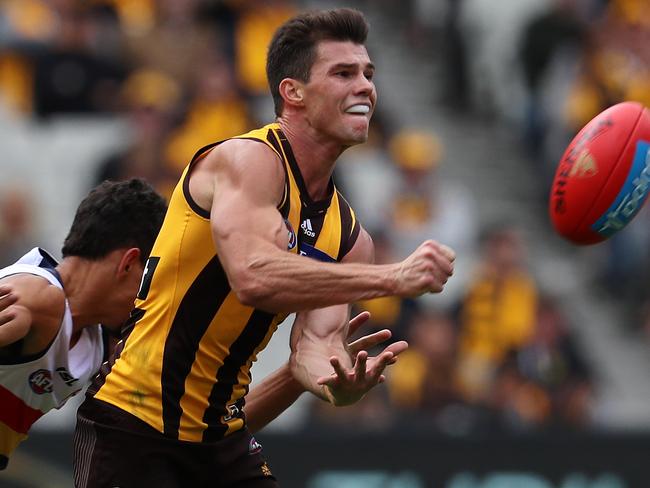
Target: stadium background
530, 370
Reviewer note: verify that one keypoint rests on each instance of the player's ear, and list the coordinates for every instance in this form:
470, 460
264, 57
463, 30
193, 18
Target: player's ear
129, 261
291, 92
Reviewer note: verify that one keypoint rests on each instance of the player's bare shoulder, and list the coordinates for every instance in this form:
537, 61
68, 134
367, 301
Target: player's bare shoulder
233, 164
44, 301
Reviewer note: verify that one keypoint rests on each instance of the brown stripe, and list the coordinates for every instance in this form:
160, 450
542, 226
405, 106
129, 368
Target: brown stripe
193, 317
285, 204
349, 228
240, 352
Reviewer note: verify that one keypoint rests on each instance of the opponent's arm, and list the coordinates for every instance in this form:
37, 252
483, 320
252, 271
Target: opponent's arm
246, 185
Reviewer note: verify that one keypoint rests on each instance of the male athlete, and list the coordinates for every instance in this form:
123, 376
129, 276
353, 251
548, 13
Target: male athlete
50, 343
255, 230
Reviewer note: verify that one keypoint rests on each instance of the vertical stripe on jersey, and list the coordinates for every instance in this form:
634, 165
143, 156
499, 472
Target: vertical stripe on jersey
329, 238
240, 352
195, 312
285, 205
349, 228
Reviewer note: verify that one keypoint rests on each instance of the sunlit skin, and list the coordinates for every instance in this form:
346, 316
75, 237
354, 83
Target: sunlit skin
315, 117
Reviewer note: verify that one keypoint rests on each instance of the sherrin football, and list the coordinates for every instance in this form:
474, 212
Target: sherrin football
603, 177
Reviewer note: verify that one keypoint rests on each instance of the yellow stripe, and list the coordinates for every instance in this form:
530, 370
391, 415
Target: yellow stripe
9, 439
329, 239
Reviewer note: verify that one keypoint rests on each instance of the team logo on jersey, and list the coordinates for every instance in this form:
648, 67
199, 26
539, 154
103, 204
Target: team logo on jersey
254, 447
307, 229
293, 240
40, 381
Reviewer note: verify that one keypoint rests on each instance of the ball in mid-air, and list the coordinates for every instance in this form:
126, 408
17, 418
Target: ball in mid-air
603, 178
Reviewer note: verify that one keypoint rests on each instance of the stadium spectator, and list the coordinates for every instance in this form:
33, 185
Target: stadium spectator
497, 314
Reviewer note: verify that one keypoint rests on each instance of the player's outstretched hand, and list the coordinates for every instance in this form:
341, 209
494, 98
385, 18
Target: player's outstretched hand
426, 270
346, 386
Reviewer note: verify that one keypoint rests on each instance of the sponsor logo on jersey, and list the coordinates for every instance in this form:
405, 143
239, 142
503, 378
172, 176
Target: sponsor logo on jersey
233, 412
266, 471
293, 240
40, 381
254, 447
307, 229
65, 375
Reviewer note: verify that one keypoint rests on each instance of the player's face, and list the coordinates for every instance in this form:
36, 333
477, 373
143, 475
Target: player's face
340, 96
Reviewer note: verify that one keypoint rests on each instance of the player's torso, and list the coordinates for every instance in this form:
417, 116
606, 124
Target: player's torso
32, 386
185, 366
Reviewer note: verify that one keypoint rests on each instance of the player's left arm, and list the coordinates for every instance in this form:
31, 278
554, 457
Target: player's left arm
279, 390
318, 345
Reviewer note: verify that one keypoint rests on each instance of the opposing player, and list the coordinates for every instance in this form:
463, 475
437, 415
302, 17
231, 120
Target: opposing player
255, 230
50, 343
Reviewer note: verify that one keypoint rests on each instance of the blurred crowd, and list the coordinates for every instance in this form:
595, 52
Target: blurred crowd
495, 351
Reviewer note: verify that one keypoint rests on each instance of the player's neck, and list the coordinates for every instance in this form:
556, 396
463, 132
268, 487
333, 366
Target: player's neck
316, 156
84, 289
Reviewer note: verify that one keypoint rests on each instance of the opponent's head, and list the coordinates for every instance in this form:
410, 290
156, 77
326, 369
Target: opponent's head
116, 215
117, 222
299, 43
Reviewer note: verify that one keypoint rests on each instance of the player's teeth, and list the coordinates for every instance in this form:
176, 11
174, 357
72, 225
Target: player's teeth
358, 109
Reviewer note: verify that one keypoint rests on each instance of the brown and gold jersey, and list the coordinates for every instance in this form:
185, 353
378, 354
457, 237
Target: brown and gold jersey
185, 366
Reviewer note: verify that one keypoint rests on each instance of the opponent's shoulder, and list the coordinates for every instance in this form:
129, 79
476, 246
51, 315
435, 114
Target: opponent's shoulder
37, 294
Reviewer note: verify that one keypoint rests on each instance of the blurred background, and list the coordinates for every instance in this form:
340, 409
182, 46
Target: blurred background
530, 370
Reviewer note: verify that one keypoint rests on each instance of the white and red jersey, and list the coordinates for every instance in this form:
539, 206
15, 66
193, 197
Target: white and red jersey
32, 386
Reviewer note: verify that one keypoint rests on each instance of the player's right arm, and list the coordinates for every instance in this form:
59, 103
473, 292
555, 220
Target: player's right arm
242, 182
30, 310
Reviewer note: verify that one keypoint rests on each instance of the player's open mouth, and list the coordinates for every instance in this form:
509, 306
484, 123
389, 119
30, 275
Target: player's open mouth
359, 109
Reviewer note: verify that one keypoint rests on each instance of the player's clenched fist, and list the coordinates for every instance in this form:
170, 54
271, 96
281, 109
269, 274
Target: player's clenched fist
426, 270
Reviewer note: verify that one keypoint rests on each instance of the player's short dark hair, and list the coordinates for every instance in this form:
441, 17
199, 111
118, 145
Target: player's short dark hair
116, 215
292, 51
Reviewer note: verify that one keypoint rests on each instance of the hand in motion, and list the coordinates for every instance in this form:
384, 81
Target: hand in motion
426, 270
346, 386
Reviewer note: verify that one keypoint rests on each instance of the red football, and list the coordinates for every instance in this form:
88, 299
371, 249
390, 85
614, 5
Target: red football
603, 177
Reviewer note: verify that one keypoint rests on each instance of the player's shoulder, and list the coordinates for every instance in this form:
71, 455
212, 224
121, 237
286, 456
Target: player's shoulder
36, 293
245, 158
239, 150
363, 250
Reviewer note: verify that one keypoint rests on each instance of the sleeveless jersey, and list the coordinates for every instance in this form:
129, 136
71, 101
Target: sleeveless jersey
32, 386
185, 367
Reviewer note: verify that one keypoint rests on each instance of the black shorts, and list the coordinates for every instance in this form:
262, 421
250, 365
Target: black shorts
112, 448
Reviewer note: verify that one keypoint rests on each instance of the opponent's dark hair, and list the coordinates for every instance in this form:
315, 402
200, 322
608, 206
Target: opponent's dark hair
292, 51
116, 215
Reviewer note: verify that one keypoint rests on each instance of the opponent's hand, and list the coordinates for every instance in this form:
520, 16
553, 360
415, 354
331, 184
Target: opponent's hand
347, 386
426, 270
